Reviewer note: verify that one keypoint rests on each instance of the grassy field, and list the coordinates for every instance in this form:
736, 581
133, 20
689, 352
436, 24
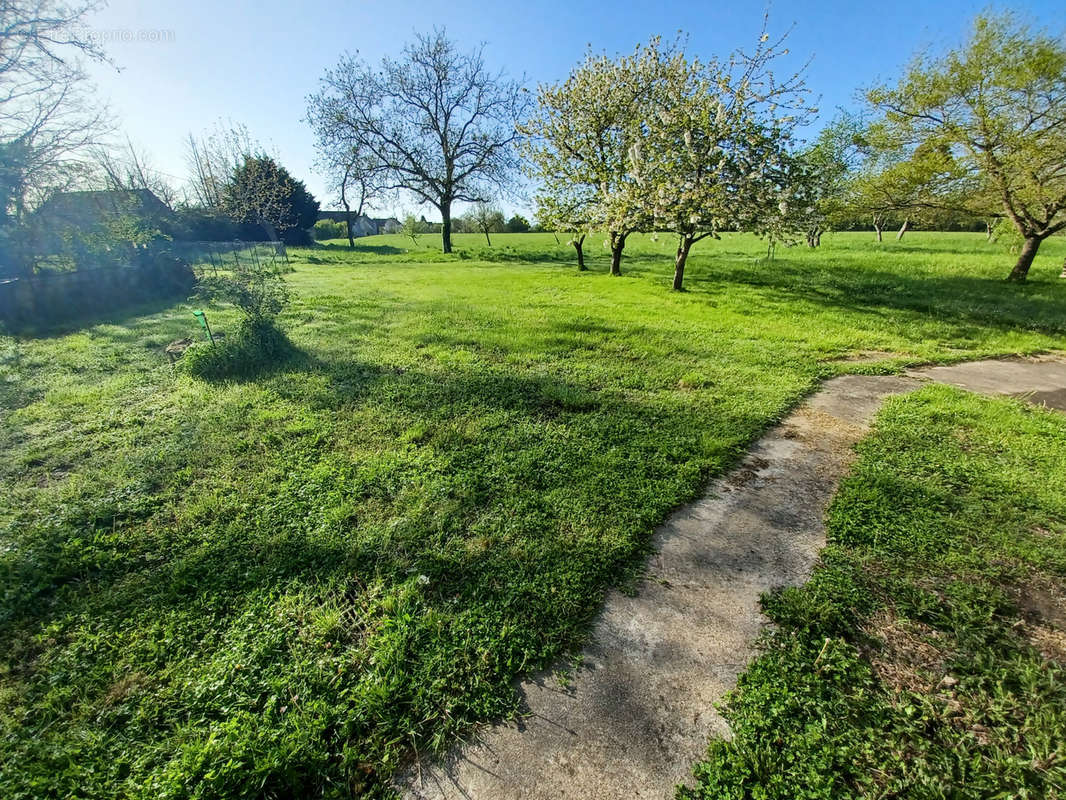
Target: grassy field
282, 586
926, 658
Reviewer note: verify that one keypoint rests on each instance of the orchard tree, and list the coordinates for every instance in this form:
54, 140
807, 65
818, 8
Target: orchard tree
359, 181
578, 143
485, 218
996, 107
263, 192
906, 182
828, 168
884, 188
412, 227
568, 209
712, 151
439, 123
355, 177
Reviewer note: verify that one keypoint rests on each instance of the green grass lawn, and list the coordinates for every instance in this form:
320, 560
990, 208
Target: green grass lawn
926, 658
282, 586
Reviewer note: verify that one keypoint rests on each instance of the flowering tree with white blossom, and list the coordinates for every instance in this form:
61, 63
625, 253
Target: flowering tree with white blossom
712, 150
578, 143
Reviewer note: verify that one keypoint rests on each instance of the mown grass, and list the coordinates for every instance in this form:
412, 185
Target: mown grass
926, 657
284, 584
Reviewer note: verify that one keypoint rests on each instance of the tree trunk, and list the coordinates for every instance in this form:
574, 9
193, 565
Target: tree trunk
1025, 259
446, 225
990, 226
818, 239
618, 244
877, 227
1063, 275
579, 243
903, 229
683, 246
487, 239
348, 222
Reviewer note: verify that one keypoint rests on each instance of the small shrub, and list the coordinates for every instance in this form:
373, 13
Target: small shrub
254, 349
259, 292
256, 288
412, 228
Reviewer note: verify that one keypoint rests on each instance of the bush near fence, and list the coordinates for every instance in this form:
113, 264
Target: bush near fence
330, 229
48, 299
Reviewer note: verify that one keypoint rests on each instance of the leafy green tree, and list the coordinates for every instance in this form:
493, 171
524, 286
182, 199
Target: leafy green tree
517, 224
829, 165
412, 228
262, 191
992, 113
903, 182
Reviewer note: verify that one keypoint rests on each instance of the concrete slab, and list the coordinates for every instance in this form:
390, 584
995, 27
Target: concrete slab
638, 711
1040, 380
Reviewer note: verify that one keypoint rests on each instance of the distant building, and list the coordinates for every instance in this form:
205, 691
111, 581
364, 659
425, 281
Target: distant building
92, 211
93, 208
363, 225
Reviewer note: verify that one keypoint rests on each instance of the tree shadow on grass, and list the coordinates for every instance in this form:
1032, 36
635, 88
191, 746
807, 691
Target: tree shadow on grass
435, 399
958, 299
594, 261
520, 498
372, 249
91, 317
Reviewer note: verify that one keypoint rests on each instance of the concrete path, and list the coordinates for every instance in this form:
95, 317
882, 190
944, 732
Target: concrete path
639, 709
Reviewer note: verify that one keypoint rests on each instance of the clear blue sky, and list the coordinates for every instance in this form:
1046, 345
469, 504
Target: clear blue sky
255, 62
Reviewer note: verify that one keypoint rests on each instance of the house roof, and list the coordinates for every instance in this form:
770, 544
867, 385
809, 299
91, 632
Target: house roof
91, 207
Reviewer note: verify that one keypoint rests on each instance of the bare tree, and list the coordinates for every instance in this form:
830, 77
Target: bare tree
131, 169
214, 156
47, 124
355, 176
487, 219
438, 121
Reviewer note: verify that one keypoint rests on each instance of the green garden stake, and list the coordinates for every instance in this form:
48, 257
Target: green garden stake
203, 324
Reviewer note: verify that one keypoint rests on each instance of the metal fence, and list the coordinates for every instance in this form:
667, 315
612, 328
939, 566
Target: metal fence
220, 256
